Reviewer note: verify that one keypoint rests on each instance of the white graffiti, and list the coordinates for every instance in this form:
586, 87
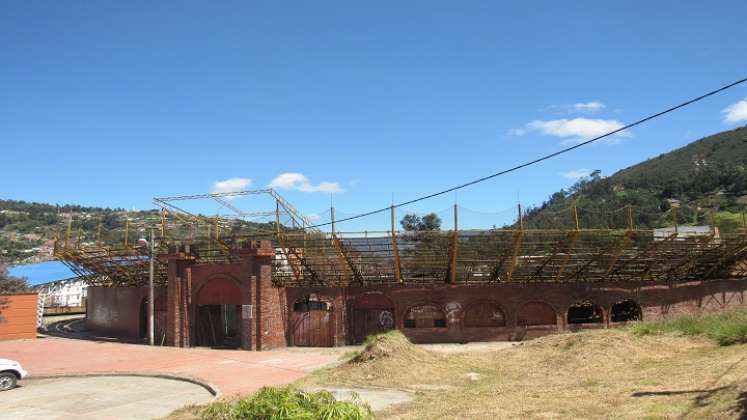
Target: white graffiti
452, 311
386, 320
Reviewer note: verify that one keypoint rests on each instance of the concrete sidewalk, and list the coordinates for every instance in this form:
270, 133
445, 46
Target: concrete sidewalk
100, 398
229, 371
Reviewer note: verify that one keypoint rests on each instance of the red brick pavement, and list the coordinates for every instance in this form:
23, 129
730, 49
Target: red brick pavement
230, 371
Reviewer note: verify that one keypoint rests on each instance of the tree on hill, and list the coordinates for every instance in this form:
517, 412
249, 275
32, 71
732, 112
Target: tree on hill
414, 223
9, 284
707, 178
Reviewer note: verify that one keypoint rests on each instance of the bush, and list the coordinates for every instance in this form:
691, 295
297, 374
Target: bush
287, 403
729, 327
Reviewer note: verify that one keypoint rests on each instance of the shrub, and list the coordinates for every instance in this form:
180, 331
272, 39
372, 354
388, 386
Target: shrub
287, 403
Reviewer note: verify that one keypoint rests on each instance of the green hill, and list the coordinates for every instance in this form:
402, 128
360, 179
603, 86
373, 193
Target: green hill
28, 230
707, 179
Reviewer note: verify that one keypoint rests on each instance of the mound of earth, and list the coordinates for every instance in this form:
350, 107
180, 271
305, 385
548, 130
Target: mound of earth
392, 345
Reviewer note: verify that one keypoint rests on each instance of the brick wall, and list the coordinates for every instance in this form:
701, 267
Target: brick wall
655, 299
115, 311
18, 316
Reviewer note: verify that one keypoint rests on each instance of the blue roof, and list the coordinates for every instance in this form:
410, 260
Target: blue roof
41, 273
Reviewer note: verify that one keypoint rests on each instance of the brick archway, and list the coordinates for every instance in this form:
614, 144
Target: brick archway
219, 291
217, 307
372, 313
536, 313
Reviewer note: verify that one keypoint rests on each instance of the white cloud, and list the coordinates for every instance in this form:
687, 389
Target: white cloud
736, 113
297, 181
591, 107
313, 217
573, 130
575, 173
231, 185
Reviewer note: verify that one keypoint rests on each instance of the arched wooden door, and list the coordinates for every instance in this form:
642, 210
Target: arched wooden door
373, 313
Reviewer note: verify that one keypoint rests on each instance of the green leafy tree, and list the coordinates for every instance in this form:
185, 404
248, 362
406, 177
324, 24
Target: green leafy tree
414, 223
9, 284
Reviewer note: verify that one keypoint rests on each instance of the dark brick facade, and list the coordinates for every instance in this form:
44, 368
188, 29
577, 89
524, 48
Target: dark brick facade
656, 300
275, 317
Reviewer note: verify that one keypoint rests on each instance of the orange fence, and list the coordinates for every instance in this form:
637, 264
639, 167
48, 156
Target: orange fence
18, 316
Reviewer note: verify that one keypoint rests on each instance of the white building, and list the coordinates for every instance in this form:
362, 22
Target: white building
62, 293
686, 232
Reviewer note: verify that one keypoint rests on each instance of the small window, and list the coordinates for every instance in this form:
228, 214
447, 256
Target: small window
425, 316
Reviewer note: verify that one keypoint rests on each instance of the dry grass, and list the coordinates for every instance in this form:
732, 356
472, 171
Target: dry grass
591, 374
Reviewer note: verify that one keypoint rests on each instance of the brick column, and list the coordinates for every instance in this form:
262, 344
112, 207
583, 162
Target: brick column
178, 296
266, 328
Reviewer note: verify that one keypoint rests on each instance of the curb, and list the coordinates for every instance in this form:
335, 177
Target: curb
212, 389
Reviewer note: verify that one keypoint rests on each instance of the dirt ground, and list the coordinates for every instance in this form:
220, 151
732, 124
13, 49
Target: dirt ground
590, 374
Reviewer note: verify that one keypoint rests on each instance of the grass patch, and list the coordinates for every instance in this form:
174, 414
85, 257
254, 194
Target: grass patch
589, 374
286, 403
728, 327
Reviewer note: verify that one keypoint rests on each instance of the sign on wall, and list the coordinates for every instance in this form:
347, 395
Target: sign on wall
246, 311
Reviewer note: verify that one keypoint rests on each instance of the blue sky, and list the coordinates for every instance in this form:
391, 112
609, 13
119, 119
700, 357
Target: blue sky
112, 103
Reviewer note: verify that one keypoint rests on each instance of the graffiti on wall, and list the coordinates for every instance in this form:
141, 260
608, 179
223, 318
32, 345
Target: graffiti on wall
452, 311
386, 320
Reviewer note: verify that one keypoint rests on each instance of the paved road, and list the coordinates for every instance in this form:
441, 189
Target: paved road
230, 371
99, 398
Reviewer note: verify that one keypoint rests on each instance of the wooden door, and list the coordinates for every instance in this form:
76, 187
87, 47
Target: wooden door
313, 328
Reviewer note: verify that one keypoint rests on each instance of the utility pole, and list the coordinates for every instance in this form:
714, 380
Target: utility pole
151, 292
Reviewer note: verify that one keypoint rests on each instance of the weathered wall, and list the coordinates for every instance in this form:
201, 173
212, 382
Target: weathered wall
519, 305
18, 316
116, 311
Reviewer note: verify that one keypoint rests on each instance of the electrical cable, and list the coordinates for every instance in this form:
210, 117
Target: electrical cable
538, 160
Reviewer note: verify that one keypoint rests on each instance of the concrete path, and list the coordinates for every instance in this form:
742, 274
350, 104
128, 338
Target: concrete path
230, 371
377, 399
99, 398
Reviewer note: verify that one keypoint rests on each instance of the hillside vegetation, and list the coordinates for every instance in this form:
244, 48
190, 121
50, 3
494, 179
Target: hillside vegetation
708, 175
28, 230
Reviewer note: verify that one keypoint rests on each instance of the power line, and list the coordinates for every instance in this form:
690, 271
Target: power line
538, 160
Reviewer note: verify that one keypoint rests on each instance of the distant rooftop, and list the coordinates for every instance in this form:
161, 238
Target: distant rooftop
41, 273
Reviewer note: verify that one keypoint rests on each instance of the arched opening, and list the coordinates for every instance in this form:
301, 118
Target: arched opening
425, 316
484, 314
159, 318
161, 314
585, 312
373, 313
536, 313
218, 309
143, 318
313, 324
625, 310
